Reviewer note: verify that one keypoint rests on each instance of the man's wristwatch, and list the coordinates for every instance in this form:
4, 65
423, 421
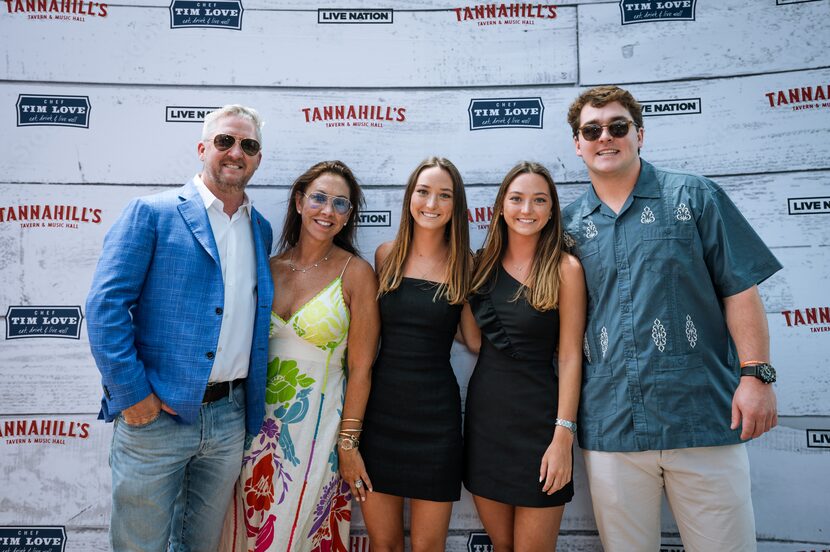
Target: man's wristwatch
763, 371
567, 424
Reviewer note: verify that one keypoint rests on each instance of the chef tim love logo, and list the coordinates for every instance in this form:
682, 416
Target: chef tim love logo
49, 110
818, 438
49, 216
817, 319
687, 106
657, 10
354, 115
23, 538
505, 14
43, 321
57, 10
374, 218
505, 113
329, 15
479, 542
808, 205
187, 114
193, 13
801, 97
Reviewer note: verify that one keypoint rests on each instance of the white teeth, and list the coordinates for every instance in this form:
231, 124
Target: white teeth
527, 221
430, 215
324, 223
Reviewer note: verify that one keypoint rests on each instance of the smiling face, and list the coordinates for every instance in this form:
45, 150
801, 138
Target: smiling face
527, 204
431, 203
608, 156
322, 221
228, 171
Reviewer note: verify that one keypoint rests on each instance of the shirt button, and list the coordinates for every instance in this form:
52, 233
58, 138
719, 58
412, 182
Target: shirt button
218, 310
625, 308
210, 355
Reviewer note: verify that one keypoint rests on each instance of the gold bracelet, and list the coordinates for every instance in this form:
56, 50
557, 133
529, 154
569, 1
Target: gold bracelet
351, 420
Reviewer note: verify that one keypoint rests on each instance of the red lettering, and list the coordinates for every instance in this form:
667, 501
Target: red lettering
786, 314
824, 315
799, 318
811, 316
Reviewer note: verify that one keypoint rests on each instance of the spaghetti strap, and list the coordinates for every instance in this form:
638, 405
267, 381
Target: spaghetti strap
342, 272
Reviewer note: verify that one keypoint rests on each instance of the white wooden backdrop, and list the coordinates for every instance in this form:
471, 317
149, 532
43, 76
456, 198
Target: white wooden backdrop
744, 67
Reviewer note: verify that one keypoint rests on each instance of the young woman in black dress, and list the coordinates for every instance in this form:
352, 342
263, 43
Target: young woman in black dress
528, 298
411, 441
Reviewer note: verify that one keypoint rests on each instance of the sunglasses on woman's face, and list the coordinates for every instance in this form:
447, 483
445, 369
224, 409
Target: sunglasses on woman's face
224, 142
316, 200
617, 129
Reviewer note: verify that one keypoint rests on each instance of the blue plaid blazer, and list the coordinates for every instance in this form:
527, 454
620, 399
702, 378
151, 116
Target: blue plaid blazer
154, 308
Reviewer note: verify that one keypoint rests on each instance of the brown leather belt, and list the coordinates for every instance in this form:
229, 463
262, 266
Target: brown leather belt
219, 390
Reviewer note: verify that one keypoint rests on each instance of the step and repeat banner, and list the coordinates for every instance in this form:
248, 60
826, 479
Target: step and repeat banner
103, 102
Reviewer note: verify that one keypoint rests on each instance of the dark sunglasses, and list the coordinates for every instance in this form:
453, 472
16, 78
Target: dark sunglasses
617, 129
224, 142
317, 200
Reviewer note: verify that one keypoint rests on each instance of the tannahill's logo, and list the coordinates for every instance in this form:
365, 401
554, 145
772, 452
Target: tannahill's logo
225, 14
334, 16
637, 11
49, 216
801, 97
354, 115
480, 217
57, 10
817, 319
505, 14
25, 538
36, 431
506, 113
686, 106
48, 110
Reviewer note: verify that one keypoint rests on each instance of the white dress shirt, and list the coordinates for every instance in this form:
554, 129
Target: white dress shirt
235, 242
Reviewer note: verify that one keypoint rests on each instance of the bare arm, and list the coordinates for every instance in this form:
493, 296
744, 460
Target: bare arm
361, 288
753, 404
468, 331
556, 468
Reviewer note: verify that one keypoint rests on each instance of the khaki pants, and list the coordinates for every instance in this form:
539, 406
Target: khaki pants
708, 490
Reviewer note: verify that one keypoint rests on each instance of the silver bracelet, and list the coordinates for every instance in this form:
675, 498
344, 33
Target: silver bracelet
567, 424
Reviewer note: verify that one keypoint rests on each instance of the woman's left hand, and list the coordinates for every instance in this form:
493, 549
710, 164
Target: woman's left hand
556, 469
353, 471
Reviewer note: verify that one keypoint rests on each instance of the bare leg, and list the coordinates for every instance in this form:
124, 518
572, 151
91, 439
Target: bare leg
383, 515
536, 529
429, 523
497, 518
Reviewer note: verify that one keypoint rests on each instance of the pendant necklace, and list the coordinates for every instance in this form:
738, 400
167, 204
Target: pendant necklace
306, 269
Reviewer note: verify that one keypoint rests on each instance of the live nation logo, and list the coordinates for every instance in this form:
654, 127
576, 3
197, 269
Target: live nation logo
42, 431
49, 110
43, 321
658, 10
57, 10
505, 14
686, 106
196, 13
506, 113
331, 15
24, 538
49, 215
808, 205
818, 438
187, 114
479, 542
354, 115
801, 97
374, 218
817, 319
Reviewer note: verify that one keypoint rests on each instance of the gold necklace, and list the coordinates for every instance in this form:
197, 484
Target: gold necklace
306, 269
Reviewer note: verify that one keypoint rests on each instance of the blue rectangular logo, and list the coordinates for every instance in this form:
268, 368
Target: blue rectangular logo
38, 321
506, 113
48, 110
218, 15
657, 10
32, 539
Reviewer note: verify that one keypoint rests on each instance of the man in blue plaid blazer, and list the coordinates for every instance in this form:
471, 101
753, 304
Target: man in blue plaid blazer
178, 318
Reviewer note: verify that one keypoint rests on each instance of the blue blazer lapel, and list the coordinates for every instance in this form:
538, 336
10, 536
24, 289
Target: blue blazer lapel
193, 211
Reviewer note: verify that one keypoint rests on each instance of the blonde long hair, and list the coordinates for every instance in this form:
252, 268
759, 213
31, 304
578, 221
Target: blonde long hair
542, 292
456, 281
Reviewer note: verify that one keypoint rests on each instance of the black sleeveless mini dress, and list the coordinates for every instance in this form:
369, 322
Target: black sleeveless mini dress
411, 442
511, 399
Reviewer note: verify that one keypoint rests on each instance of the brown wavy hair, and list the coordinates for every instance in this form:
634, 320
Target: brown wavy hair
293, 221
601, 96
456, 285
542, 292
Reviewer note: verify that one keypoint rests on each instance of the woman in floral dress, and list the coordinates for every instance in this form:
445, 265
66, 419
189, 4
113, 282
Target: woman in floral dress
296, 486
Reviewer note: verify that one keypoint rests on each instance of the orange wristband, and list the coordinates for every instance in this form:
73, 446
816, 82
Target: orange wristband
746, 363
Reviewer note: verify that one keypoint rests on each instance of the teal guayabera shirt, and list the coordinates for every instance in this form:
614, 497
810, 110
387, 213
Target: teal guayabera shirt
660, 367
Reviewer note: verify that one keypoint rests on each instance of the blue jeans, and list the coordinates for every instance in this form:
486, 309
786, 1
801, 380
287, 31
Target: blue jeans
172, 482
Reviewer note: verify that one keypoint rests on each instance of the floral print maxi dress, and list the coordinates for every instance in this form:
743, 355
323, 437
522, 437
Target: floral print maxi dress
290, 496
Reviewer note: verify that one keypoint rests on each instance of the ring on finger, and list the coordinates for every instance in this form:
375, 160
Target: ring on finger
358, 484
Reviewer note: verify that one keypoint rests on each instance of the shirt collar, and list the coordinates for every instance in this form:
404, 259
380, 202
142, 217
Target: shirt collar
209, 199
646, 186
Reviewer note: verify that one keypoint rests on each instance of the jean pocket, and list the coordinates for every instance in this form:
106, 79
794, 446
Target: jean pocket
143, 425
